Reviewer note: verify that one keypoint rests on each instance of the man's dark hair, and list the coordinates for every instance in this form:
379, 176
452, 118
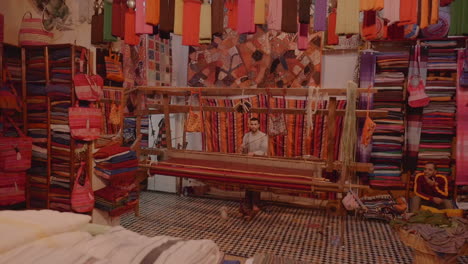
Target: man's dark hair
254, 119
433, 164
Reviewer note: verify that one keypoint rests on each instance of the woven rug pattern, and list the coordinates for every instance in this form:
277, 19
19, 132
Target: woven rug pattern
307, 235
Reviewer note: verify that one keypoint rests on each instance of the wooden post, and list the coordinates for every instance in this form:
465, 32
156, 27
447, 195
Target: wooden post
167, 121
331, 133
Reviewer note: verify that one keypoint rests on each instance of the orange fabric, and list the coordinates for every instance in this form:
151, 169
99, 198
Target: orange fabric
408, 12
434, 12
378, 5
152, 12
239, 131
232, 13
365, 5
191, 23
424, 22
131, 38
332, 38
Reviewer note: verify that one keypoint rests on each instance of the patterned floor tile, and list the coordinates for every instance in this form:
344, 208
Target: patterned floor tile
302, 234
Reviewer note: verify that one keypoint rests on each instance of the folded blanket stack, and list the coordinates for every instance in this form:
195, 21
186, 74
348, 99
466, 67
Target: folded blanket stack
118, 165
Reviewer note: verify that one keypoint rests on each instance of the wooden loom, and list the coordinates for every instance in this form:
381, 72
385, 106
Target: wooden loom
250, 172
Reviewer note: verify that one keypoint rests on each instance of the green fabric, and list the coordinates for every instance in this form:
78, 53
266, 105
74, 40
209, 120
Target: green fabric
459, 19
108, 23
427, 217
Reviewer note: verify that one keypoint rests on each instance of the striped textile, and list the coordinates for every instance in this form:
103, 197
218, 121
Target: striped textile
462, 128
224, 131
366, 76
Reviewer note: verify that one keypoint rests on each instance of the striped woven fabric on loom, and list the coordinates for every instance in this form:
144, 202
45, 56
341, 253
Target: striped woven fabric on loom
114, 95
224, 131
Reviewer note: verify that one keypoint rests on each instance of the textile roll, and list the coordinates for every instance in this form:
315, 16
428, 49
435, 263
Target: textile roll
289, 16
166, 23
246, 23
141, 27
178, 16
152, 12
275, 14
320, 16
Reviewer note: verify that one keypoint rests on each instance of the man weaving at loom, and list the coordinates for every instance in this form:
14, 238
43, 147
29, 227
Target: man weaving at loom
254, 142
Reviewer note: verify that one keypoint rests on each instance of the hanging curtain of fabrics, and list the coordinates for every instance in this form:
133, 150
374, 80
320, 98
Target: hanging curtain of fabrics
224, 130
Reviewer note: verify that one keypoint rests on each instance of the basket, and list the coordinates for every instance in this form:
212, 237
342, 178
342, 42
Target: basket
32, 32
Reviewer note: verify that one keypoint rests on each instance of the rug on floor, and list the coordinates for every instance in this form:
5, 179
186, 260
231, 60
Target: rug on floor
307, 235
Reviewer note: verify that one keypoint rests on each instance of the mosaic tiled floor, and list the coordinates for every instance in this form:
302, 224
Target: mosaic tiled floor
301, 234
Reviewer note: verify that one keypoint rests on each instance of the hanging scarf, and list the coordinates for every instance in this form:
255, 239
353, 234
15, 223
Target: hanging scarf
274, 14
191, 25
205, 23
332, 38
259, 12
304, 11
289, 16
232, 10
246, 24
166, 24
347, 17
178, 16
320, 15
131, 38
217, 17
117, 29
152, 12
408, 12
140, 22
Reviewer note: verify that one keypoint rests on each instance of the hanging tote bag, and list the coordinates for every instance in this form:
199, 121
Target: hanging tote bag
82, 196
12, 187
15, 152
113, 67
88, 87
85, 122
194, 122
417, 96
32, 31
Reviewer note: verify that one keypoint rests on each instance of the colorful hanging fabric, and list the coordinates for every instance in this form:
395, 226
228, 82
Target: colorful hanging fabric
191, 23
274, 14
424, 13
205, 23
217, 17
408, 12
140, 18
434, 7
347, 17
166, 23
259, 12
117, 29
367, 74
178, 16
304, 11
152, 12
303, 37
289, 16
391, 10
332, 38
131, 38
232, 10
246, 23
459, 19
320, 15
180, 61
369, 28
107, 31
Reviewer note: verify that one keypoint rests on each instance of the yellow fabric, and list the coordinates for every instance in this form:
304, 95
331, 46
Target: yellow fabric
347, 17
178, 17
449, 212
259, 16
205, 23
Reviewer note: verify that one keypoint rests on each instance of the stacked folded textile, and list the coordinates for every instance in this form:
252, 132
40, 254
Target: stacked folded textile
118, 165
60, 65
37, 129
438, 119
379, 207
388, 138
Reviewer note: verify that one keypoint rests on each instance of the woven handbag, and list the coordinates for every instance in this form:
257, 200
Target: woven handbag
369, 125
113, 67
88, 87
276, 122
32, 31
82, 196
97, 24
15, 152
194, 122
12, 187
85, 122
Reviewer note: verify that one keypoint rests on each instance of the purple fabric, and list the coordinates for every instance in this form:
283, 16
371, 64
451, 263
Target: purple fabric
320, 15
366, 76
462, 128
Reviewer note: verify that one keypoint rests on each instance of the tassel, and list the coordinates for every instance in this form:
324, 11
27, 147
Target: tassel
18, 154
